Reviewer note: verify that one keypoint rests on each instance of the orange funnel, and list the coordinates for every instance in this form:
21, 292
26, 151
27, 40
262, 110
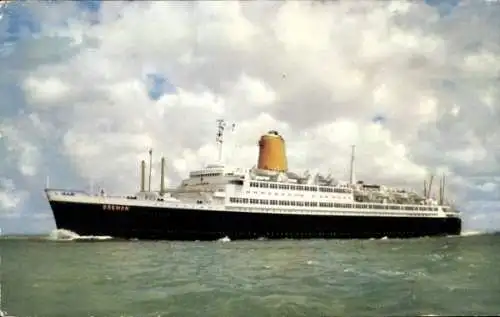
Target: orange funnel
272, 152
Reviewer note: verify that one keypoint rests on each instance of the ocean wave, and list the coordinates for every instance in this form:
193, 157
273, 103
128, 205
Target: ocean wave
68, 235
469, 233
3, 313
224, 239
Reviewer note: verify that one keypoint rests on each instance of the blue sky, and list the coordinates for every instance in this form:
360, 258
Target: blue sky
21, 25
171, 76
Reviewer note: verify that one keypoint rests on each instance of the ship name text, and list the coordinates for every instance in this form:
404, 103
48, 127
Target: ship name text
115, 207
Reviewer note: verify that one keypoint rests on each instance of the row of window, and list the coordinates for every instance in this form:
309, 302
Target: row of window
300, 187
355, 211
337, 197
197, 174
326, 204
274, 202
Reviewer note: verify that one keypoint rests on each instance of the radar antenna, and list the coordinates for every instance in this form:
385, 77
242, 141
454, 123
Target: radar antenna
219, 138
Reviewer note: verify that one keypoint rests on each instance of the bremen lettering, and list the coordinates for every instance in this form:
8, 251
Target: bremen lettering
115, 207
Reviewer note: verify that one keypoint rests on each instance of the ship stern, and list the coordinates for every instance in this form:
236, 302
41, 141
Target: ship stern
453, 225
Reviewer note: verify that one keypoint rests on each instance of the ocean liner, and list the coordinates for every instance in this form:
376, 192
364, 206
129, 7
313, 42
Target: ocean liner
265, 201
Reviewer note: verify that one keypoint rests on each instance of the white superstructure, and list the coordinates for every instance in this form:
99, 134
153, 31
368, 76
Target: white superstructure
217, 187
247, 190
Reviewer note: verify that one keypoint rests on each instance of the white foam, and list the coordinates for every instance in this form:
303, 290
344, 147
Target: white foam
225, 239
3, 313
472, 233
68, 235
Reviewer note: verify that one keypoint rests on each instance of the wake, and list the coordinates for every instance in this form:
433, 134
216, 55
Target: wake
471, 233
67, 235
5, 314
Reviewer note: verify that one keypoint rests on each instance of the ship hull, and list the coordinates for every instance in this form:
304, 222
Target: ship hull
153, 223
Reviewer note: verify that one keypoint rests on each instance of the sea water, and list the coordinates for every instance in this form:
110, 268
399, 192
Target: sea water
62, 274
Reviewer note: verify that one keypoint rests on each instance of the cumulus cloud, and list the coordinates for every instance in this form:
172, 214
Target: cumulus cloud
10, 198
318, 72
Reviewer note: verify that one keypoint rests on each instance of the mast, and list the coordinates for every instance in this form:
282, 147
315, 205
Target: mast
352, 179
150, 168
430, 187
219, 138
143, 176
440, 194
162, 180
442, 190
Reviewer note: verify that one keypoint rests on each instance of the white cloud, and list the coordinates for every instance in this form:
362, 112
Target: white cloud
252, 93
18, 146
484, 63
10, 198
316, 72
45, 90
483, 215
489, 187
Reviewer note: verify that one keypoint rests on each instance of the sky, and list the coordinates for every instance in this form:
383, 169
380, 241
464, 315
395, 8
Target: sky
88, 87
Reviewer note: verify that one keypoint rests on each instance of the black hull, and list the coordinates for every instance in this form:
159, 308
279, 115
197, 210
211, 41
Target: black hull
181, 224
